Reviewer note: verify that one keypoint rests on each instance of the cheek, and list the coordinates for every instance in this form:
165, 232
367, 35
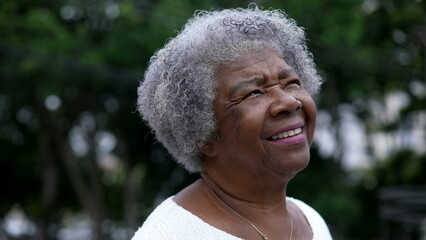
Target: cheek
229, 122
311, 114
240, 122
310, 111
233, 120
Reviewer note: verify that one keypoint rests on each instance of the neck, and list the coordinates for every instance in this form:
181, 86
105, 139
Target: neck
260, 195
261, 185
266, 217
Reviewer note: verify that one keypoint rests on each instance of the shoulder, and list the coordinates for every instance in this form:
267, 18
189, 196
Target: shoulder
169, 221
157, 221
317, 223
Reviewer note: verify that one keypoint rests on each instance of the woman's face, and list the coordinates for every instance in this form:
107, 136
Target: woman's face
266, 120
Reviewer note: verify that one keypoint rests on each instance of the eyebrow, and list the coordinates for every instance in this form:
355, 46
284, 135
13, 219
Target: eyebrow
261, 80
253, 81
286, 73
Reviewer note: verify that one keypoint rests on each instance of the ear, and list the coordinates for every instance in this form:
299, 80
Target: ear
209, 149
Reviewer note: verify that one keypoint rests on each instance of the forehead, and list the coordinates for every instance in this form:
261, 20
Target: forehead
261, 63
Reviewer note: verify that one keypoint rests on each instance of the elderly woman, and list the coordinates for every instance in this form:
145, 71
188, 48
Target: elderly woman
230, 98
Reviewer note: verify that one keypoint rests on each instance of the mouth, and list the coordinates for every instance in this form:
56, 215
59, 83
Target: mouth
286, 134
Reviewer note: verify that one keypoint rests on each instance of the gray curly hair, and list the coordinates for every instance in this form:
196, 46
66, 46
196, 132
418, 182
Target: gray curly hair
179, 89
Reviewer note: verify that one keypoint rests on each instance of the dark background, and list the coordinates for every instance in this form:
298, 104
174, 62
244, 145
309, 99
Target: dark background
77, 162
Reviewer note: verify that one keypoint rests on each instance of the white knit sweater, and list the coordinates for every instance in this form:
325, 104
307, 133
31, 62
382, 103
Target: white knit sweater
170, 221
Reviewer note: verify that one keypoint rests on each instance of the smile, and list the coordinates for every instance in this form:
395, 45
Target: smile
286, 134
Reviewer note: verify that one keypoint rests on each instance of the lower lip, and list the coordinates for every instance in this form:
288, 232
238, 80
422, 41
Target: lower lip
299, 138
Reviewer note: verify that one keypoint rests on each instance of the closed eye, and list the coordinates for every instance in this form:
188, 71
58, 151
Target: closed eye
252, 93
296, 81
293, 84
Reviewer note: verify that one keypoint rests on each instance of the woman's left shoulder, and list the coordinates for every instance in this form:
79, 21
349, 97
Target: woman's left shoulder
318, 225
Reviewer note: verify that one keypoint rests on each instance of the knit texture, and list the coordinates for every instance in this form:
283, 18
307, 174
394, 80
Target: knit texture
170, 221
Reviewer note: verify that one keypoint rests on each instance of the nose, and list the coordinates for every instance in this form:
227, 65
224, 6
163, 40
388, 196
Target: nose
284, 103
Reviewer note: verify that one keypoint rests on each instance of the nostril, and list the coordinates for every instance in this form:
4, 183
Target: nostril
286, 112
299, 105
285, 105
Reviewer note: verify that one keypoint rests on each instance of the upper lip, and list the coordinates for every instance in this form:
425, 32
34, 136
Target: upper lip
292, 127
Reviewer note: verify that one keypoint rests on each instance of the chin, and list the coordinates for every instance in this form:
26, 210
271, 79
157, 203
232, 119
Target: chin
299, 166
293, 167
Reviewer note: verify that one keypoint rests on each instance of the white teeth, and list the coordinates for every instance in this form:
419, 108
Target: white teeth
289, 133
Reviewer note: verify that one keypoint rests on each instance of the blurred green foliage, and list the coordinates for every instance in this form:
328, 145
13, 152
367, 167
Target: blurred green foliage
72, 142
